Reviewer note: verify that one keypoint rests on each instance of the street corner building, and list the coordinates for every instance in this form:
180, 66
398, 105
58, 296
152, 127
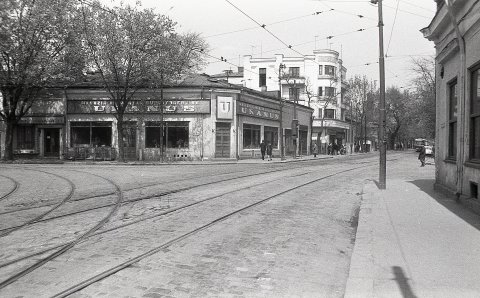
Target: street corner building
455, 30
197, 118
317, 80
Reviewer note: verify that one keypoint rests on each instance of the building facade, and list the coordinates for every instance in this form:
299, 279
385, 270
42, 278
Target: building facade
316, 81
200, 118
455, 30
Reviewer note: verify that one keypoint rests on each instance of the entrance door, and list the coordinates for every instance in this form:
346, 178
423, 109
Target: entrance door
52, 142
222, 140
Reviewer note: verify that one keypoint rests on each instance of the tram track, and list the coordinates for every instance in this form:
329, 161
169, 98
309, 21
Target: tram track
94, 231
11, 191
113, 270
68, 246
5, 232
40, 219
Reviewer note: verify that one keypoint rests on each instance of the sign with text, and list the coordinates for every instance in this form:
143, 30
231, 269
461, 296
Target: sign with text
42, 120
140, 106
224, 107
257, 111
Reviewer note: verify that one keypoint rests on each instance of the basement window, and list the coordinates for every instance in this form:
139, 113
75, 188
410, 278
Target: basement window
473, 190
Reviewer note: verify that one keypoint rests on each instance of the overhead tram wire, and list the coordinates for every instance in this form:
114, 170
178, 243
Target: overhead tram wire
393, 26
304, 43
274, 23
264, 27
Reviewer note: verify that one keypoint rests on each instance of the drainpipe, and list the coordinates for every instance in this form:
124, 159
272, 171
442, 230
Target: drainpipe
461, 80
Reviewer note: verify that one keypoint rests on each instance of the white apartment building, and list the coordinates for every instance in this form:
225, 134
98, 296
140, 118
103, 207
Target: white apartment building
317, 81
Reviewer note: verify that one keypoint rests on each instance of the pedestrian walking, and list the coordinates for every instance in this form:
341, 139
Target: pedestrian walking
329, 149
315, 149
263, 147
269, 151
421, 156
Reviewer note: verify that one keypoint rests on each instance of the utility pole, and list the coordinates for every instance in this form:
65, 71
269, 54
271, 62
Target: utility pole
364, 116
295, 120
382, 184
280, 100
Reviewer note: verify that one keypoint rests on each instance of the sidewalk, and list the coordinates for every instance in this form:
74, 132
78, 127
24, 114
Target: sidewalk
413, 242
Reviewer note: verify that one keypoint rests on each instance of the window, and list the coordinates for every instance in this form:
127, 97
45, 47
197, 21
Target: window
294, 72
320, 70
475, 115
262, 77
91, 134
293, 93
25, 137
329, 113
319, 113
251, 136
175, 134
330, 70
320, 91
452, 120
271, 136
329, 91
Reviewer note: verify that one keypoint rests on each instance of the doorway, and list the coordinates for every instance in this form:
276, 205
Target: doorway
51, 142
222, 140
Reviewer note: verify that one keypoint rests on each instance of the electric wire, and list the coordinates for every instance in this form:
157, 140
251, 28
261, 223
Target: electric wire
393, 26
274, 23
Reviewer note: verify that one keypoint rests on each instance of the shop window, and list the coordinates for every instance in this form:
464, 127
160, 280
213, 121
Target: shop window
176, 134
153, 134
271, 136
25, 137
452, 120
251, 136
329, 113
262, 77
91, 134
475, 115
330, 70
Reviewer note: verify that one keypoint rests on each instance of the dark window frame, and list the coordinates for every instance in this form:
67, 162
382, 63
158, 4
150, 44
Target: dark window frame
328, 115
251, 135
262, 77
452, 119
294, 72
330, 70
474, 113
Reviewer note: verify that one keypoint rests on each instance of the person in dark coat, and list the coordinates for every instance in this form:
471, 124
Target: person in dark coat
263, 147
269, 151
421, 156
315, 149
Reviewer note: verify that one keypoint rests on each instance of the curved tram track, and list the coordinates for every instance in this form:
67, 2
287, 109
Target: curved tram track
94, 231
11, 191
68, 246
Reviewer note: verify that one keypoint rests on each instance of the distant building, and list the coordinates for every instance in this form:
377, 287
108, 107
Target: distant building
316, 81
457, 142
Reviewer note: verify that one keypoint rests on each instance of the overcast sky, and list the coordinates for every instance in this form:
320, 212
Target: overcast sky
299, 26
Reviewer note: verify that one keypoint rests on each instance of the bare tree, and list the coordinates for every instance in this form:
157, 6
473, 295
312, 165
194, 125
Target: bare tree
121, 45
37, 46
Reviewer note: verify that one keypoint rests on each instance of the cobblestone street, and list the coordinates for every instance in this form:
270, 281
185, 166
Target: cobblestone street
253, 229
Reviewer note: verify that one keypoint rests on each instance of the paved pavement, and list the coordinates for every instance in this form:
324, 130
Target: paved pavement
413, 242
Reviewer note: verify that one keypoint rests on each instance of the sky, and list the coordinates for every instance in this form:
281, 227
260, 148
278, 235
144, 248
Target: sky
305, 25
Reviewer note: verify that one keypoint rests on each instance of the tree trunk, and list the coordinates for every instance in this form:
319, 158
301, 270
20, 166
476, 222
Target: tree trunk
121, 151
9, 140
